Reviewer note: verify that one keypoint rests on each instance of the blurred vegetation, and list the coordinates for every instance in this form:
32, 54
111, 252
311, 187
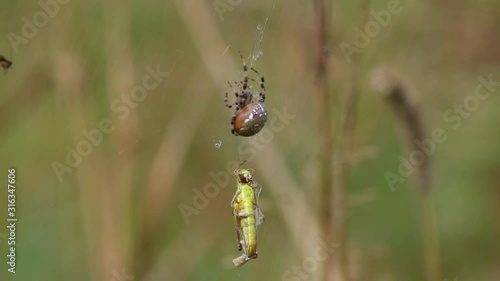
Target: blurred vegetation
119, 209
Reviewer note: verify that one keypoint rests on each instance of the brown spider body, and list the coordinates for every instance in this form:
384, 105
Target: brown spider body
4, 63
250, 114
249, 120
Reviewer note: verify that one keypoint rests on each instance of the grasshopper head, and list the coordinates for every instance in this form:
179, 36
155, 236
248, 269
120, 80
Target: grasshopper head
244, 175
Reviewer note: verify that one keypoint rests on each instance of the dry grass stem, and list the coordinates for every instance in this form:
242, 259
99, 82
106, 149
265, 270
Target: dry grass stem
409, 117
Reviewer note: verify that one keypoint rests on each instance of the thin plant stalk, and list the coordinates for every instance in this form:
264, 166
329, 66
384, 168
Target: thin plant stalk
409, 117
326, 133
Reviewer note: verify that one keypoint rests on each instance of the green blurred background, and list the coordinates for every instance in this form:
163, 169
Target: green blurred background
116, 215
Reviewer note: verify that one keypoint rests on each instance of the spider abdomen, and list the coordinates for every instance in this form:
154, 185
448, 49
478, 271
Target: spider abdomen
250, 119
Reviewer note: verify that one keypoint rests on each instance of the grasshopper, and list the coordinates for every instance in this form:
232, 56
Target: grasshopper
246, 214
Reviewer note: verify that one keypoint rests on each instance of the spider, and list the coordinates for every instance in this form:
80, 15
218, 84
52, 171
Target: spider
4, 63
250, 114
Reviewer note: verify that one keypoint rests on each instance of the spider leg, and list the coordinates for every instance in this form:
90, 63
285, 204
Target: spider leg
245, 70
227, 103
236, 94
232, 88
262, 94
239, 84
233, 119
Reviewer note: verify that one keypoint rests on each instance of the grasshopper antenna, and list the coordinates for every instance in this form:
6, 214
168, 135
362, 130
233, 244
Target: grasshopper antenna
239, 166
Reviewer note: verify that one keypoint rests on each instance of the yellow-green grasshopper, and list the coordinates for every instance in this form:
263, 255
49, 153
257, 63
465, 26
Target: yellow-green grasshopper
246, 214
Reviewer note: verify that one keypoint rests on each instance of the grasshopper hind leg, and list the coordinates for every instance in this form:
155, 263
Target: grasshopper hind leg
238, 230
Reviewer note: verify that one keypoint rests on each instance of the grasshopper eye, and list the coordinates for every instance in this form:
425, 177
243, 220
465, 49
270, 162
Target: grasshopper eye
243, 179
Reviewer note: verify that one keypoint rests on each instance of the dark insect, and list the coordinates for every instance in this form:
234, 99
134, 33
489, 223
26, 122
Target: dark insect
5, 63
250, 114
